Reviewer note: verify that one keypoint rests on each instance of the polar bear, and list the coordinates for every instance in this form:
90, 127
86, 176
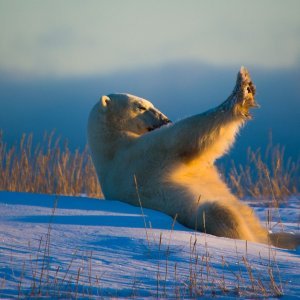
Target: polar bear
133, 145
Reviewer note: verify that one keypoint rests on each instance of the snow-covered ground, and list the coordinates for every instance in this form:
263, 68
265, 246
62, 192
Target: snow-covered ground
72, 247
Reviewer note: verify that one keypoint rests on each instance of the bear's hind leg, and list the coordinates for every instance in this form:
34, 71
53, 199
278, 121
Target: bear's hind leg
224, 221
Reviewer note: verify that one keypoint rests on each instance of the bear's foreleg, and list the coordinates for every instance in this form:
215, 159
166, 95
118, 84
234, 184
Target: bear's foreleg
209, 135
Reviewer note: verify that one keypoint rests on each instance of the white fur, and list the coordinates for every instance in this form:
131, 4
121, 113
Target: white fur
174, 164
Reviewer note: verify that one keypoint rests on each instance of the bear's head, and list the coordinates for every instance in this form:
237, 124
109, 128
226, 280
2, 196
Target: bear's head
128, 113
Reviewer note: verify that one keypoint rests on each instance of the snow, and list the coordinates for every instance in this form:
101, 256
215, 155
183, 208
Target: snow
78, 247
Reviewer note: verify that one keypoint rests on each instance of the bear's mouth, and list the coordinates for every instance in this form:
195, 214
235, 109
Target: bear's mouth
165, 122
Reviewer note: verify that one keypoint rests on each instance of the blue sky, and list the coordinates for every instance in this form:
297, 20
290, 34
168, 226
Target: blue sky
75, 38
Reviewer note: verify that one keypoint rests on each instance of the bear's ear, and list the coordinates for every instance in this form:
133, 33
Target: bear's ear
104, 102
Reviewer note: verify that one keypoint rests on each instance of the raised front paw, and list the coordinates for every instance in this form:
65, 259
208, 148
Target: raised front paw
242, 98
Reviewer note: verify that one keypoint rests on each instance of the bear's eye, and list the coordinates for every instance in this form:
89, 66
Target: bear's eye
141, 108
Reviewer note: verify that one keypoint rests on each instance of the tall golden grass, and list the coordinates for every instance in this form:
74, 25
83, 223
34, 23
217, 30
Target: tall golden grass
47, 168
265, 176
52, 169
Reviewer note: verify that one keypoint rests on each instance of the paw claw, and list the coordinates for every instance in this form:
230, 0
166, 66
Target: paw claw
244, 93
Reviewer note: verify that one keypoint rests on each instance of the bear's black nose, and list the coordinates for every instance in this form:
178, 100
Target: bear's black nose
167, 121
163, 122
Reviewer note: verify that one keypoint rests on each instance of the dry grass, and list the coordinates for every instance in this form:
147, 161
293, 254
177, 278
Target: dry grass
52, 169
266, 176
47, 168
